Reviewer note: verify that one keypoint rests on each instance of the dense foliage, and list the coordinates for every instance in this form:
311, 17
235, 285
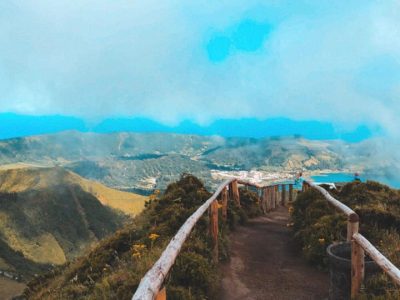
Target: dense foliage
115, 267
316, 225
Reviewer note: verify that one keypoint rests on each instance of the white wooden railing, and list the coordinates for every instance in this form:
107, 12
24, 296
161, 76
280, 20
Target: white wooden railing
150, 285
359, 244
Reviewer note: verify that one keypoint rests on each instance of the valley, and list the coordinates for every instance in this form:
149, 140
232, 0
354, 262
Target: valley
142, 162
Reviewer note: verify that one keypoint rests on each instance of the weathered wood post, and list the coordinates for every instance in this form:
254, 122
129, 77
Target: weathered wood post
224, 200
352, 226
261, 200
214, 229
283, 194
272, 193
276, 187
357, 268
291, 192
268, 206
357, 256
265, 200
235, 192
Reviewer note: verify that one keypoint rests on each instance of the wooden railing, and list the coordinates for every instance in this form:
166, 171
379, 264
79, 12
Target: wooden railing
359, 245
150, 285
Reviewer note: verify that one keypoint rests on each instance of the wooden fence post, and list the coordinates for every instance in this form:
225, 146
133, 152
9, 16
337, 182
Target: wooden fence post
283, 194
290, 193
271, 192
162, 295
235, 192
357, 256
357, 268
224, 196
214, 229
352, 226
266, 197
261, 199
276, 188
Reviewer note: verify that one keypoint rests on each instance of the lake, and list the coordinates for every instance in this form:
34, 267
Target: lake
347, 177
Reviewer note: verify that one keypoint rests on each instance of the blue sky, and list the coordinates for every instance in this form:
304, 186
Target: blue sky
328, 62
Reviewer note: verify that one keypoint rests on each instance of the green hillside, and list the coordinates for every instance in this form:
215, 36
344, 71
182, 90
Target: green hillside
317, 225
114, 268
147, 161
50, 215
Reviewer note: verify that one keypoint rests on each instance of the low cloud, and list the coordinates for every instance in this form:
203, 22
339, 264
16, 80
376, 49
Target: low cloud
335, 61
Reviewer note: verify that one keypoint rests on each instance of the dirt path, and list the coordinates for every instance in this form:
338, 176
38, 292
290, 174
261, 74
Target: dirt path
265, 264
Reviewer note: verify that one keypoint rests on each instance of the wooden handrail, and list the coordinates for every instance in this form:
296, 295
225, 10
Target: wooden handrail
151, 283
352, 217
336, 203
359, 244
388, 267
154, 278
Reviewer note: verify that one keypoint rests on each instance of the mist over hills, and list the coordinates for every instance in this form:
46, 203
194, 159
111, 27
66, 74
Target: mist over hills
145, 161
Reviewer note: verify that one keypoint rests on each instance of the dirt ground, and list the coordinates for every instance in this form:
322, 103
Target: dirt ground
10, 288
265, 264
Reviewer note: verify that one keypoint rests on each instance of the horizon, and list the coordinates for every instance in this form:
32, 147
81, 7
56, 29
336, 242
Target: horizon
186, 63
17, 126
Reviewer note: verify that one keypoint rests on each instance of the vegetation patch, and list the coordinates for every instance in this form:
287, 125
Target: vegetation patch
114, 268
316, 225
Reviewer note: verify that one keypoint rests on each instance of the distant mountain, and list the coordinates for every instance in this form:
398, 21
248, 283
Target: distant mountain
51, 215
142, 162
15, 125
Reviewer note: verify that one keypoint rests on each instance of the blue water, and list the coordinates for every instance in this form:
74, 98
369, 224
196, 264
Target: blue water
348, 177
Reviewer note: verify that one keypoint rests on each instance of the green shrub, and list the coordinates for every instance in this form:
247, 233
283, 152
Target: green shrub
316, 225
114, 268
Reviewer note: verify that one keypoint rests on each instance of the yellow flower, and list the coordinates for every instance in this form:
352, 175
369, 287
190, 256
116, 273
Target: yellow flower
138, 247
153, 236
219, 206
321, 241
136, 254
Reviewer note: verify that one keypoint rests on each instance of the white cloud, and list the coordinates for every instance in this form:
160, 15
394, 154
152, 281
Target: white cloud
99, 58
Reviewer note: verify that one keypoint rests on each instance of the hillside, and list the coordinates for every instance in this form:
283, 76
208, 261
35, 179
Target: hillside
50, 215
143, 162
114, 268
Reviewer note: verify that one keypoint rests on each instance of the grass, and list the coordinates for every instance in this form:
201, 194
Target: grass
50, 215
316, 225
114, 268
24, 179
